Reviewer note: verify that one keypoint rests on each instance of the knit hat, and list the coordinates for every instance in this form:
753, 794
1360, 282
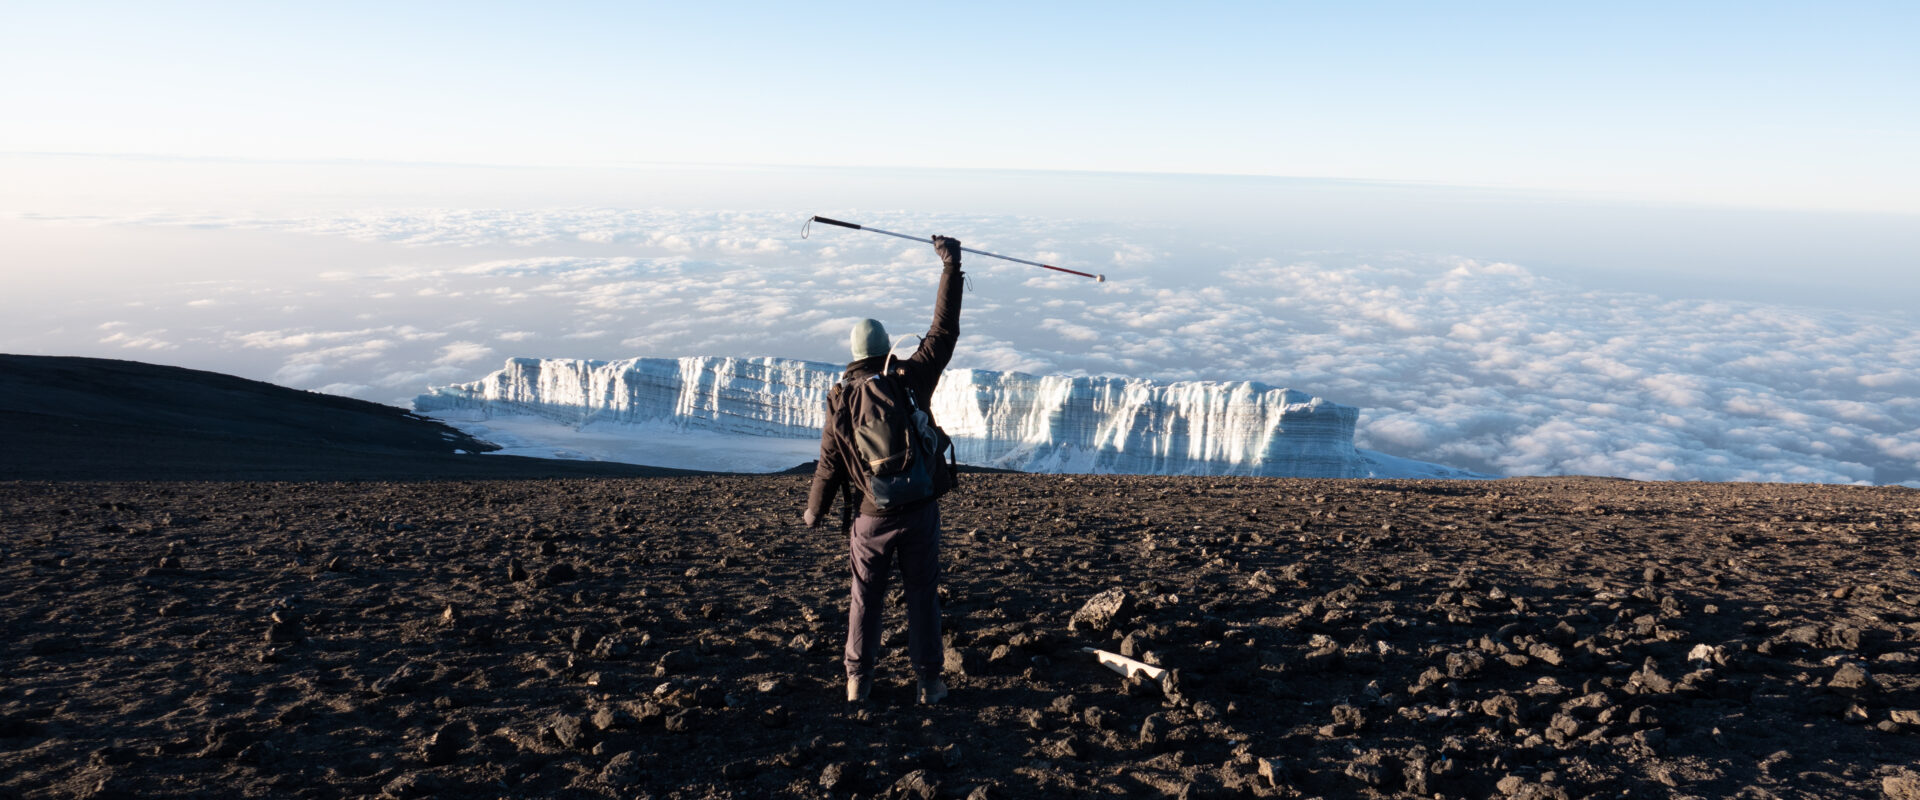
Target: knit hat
870, 339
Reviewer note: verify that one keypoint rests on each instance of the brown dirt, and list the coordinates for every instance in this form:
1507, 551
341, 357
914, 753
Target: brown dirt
679, 637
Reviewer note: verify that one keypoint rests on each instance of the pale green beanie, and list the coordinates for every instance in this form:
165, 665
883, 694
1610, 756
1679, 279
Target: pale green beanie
870, 339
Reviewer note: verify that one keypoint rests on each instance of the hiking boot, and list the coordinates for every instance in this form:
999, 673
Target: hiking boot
858, 688
932, 691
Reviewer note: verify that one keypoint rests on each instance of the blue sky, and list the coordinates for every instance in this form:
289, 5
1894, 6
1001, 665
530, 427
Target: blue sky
1666, 241
1806, 106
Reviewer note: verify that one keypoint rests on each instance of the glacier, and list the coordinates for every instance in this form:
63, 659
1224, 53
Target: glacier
765, 414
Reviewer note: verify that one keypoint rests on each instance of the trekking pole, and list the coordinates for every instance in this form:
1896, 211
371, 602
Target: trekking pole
929, 240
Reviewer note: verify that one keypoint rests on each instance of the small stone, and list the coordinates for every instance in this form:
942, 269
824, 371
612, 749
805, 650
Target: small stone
611, 648
444, 745
1854, 680
1103, 612
1905, 716
567, 730
1273, 772
1371, 768
1465, 664
516, 572
837, 777
916, 785
1176, 687
1548, 653
561, 573
963, 662
1064, 747
1153, 730
606, 719
676, 662
622, 770
1902, 785
410, 785
1649, 677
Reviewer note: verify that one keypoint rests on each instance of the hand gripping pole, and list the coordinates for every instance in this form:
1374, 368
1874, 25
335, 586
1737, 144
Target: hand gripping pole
929, 240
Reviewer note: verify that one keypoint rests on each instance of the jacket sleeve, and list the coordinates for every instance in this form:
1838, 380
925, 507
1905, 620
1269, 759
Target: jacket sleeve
936, 348
829, 473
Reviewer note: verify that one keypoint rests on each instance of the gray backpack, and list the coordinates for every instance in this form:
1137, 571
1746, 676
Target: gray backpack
902, 456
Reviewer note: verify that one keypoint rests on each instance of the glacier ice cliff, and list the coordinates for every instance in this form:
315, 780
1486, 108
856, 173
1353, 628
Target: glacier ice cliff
1000, 419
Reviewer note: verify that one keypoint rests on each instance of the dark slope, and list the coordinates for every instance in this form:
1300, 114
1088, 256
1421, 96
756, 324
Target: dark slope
679, 638
64, 418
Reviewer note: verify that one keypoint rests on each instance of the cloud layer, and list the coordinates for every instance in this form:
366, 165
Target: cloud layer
1477, 364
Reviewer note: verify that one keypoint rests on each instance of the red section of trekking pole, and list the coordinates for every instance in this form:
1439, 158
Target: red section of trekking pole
929, 240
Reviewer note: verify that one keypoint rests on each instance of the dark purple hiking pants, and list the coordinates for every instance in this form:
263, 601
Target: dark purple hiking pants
914, 537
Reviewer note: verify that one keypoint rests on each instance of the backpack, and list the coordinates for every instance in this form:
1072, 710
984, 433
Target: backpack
902, 456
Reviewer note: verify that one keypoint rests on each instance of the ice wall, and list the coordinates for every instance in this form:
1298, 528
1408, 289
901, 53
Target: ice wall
1001, 419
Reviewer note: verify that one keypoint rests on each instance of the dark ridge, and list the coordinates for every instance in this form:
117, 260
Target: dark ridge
67, 418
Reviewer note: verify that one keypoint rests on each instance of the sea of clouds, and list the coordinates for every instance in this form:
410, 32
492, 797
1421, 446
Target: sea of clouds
1482, 365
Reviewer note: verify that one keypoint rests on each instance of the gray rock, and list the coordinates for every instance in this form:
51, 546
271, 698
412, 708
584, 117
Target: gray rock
1347, 718
611, 648
1465, 664
1273, 772
1902, 785
1854, 680
1153, 731
410, 785
838, 777
964, 661
444, 746
622, 770
567, 730
1103, 612
916, 785
1374, 769
607, 719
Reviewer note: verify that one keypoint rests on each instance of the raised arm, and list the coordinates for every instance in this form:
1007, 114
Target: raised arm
936, 348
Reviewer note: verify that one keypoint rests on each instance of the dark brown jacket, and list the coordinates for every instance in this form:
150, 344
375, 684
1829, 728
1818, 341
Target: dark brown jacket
919, 373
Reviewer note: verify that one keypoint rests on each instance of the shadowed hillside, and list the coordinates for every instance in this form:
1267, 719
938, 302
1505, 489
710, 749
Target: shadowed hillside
98, 419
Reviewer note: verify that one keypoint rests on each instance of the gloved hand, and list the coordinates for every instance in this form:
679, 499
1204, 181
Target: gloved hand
811, 519
948, 248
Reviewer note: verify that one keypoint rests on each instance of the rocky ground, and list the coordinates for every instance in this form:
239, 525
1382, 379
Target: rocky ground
679, 638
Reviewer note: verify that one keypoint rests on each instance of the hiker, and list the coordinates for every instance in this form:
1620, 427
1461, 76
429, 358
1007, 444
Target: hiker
909, 530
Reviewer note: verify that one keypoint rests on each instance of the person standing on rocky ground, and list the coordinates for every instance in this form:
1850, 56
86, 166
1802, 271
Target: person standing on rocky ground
908, 531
